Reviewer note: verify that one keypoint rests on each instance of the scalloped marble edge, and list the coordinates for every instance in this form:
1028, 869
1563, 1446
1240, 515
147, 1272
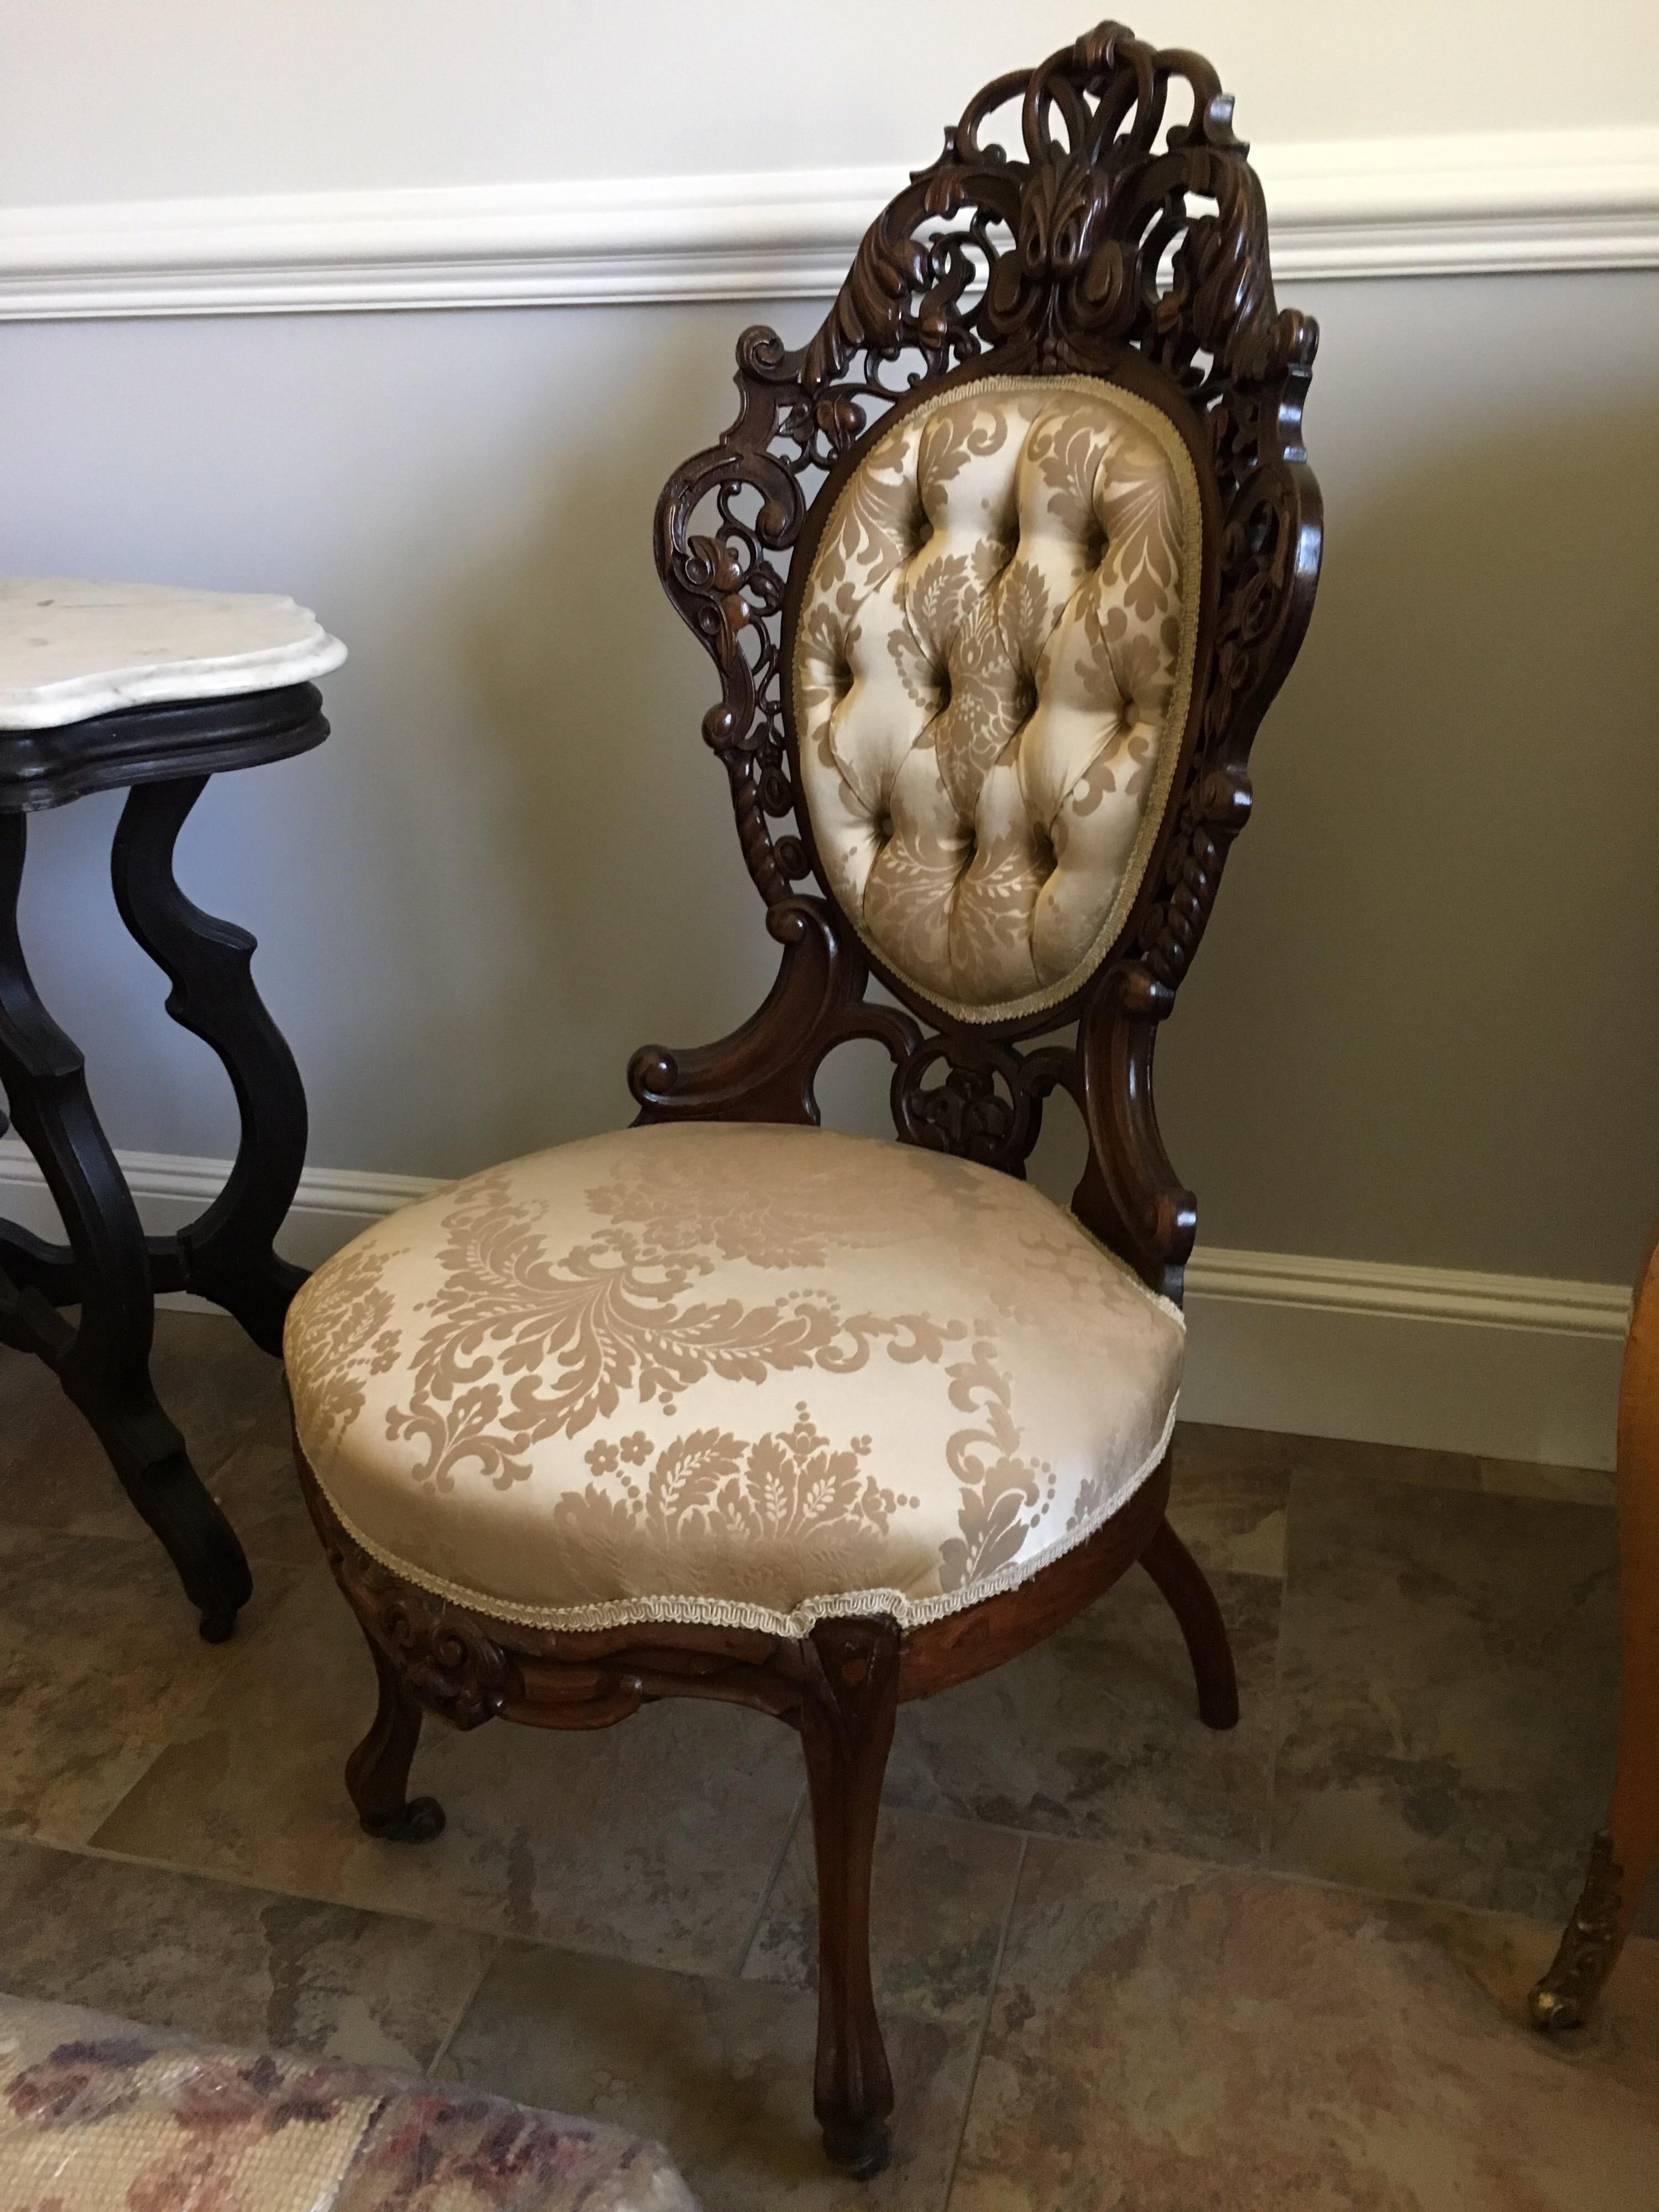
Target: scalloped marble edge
61, 701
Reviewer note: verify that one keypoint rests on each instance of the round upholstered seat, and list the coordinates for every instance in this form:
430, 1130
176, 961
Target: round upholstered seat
729, 1372
70, 649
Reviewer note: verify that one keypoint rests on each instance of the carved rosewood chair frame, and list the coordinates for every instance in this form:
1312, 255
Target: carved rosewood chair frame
1095, 251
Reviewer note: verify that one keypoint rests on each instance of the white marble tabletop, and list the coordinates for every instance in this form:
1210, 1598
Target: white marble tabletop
71, 648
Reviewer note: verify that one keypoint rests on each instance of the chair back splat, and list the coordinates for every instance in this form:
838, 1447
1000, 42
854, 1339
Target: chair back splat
1000, 572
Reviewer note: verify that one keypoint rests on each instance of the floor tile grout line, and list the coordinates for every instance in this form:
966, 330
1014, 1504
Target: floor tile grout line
772, 1879
104, 1853
1422, 1484
1024, 1836
1275, 1715
236, 1656
984, 2027
138, 1538
138, 1534
271, 1886
491, 1954
1192, 1438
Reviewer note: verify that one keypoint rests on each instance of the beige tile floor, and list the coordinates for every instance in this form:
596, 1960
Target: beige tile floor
1126, 1965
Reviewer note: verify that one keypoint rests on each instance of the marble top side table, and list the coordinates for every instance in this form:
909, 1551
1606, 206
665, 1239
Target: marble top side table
150, 689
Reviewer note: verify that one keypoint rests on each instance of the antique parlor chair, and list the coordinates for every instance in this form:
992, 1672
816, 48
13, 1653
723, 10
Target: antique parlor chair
1000, 572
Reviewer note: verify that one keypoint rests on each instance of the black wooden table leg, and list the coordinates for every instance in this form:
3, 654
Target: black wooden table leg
228, 1252
103, 1365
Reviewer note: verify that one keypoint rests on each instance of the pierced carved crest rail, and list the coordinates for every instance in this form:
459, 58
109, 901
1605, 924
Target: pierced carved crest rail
1093, 249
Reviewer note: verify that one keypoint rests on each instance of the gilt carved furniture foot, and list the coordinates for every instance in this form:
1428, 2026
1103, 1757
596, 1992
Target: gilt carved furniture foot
1622, 1856
105, 687
1000, 572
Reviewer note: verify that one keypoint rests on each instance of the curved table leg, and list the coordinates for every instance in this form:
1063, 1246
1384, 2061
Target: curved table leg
103, 1365
228, 1252
1622, 1856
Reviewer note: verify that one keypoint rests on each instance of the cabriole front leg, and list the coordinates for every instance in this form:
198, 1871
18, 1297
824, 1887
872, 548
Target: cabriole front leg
377, 1772
847, 1729
228, 1253
104, 1366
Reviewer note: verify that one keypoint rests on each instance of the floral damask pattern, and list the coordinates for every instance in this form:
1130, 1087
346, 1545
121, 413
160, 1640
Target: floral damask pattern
568, 1337
723, 1207
1003, 1496
744, 1366
992, 665
344, 1311
772, 1515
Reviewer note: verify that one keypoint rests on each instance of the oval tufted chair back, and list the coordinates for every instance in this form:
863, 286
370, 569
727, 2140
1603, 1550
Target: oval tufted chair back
992, 667
1000, 571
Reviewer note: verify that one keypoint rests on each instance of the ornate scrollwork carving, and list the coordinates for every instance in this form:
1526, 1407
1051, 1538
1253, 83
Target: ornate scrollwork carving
468, 1668
1116, 236
988, 1104
763, 1070
560, 1690
1096, 242
440, 1650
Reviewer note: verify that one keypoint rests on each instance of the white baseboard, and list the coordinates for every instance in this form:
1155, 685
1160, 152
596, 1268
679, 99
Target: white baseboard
1507, 1366
333, 1205
1385, 207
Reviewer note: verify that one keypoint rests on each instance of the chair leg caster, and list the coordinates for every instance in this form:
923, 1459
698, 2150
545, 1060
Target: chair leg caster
218, 1624
417, 1822
860, 2147
1550, 2012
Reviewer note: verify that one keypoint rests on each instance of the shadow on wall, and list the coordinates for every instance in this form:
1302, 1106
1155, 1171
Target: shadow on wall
615, 866
1425, 1026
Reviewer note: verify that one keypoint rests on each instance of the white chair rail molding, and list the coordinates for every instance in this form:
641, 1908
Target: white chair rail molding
1464, 205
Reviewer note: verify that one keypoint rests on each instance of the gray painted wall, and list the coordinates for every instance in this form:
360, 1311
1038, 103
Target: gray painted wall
104, 101
1425, 1025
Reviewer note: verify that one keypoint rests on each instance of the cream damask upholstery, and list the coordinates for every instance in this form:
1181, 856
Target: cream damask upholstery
729, 1372
993, 668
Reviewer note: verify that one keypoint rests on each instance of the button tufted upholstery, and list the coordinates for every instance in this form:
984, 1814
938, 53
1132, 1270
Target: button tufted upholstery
992, 665
726, 1372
